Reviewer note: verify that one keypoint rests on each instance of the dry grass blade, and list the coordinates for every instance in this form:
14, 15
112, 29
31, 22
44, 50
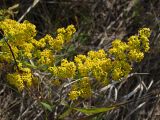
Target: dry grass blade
35, 2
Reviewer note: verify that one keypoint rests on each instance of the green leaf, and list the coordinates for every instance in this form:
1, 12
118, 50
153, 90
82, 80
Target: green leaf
65, 114
92, 111
29, 65
47, 106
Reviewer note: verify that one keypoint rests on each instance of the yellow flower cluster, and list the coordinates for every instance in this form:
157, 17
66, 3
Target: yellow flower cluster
125, 53
81, 89
144, 35
120, 69
19, 36
103, 67
118, 49
138, 45
63, 36
46, 57
66, 70
20, 79
96, 64
18, 33
20, 39
134, 49
28, 48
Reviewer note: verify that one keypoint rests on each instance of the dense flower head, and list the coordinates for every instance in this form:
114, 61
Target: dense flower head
118, 49
144, 32
144, 43
70, 30
20, 41
15, 79
134, 42
138, 45
120, 69
81, 88
22, 79
80, 59
46, 57
99, 54
18, 36
96, 64
58, 43
27, 48
18, 32
66, 70
61, 30
39, 44
135, 55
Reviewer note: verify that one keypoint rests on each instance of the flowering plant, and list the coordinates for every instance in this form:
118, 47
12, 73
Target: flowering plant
30, 54
26, 56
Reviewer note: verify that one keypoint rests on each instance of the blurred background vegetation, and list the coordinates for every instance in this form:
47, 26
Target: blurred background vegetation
98, 23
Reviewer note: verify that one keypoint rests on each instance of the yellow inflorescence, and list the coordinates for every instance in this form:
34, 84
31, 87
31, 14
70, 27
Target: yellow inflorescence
46, 57
20, 38
119, 49
20, 79
96, 65
15, 79
66, 70
81, 89
144, 35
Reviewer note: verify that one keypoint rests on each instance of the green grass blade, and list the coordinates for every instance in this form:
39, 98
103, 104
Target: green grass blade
92, 111
46, 106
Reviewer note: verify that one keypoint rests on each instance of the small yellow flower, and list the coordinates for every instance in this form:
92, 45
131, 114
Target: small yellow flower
61, 30
66, 70
145, 32
81, 89
99, 54
116, 74
135, 55
118, 49
15, 80
73, 95
134, 42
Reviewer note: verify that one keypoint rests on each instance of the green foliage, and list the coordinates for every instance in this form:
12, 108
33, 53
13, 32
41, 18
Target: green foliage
92, 111
47, 106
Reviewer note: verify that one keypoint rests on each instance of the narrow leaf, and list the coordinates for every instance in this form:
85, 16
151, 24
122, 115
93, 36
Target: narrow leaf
65, 114
92, 111
46, 106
